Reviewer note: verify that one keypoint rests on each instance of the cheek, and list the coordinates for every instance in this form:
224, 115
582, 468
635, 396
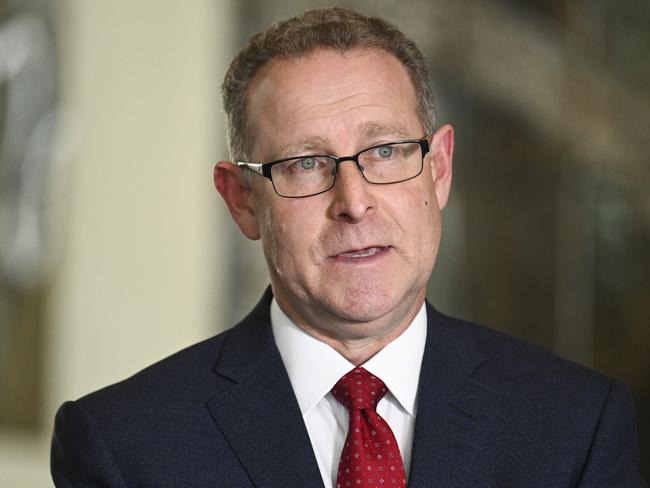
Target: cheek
288, 238
423, 217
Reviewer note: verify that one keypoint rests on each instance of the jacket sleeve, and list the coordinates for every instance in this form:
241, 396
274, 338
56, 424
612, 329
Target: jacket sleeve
80, 457
613, 459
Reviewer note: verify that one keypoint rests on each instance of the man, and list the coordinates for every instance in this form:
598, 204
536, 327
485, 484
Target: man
342, 375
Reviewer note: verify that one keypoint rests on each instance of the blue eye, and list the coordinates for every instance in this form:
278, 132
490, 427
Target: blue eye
385, 151
307, 163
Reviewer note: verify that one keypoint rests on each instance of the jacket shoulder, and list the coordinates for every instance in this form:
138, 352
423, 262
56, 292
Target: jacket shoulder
186, 372
189, 374
551, 416
518, 370
509, 357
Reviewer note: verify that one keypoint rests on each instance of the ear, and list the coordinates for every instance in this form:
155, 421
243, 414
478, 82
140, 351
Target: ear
236, 192
441, 151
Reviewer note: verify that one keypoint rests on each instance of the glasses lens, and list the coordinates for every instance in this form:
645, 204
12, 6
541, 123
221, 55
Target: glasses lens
391, 163
301, 177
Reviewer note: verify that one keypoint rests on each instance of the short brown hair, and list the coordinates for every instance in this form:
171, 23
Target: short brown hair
332, 28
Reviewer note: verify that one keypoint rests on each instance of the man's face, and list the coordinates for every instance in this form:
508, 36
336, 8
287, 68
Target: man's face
352, 262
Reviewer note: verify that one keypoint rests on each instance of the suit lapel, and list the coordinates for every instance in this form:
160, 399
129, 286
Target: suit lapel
257, 411
455, 415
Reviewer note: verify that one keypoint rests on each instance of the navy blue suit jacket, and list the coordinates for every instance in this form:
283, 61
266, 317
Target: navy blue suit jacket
492, 412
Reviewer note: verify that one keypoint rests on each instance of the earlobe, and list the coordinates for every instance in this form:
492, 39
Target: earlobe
236, 192
441, 153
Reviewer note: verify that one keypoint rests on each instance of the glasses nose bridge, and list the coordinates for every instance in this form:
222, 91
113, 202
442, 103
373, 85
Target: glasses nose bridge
354, 158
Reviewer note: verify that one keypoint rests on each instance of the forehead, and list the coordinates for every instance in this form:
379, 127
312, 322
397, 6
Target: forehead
331, 97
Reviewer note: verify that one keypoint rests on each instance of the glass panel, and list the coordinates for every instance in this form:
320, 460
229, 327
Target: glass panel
395, 162
303, 176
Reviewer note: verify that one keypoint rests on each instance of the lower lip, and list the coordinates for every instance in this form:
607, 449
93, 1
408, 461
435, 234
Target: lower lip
362, 257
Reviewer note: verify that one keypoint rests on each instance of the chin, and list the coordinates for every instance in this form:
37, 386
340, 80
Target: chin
365, 303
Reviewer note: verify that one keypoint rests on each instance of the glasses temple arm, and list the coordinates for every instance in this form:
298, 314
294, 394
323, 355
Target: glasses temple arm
257, 167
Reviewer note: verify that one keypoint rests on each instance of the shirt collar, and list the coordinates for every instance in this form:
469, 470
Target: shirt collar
314, 367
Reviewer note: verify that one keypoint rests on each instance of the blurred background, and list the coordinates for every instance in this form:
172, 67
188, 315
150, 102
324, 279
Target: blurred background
115, 250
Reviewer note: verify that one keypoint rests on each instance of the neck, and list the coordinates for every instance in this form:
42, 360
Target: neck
356, 341
357, 351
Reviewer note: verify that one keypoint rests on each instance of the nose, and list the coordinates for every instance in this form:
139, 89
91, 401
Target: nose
353, 197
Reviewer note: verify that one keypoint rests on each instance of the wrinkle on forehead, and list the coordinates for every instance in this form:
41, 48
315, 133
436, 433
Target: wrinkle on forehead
365, 131
301, 100
274, 95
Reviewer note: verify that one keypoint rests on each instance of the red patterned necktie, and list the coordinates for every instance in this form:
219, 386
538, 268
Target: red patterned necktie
370, 454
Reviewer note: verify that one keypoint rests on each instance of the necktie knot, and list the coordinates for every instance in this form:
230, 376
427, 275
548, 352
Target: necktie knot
359, 390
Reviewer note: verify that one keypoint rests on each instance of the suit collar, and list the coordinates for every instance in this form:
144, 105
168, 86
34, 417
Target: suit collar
248, 343
314, 367
258, 414
455, 411
256, 410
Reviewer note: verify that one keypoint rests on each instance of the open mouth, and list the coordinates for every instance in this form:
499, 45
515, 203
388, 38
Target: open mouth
363, 253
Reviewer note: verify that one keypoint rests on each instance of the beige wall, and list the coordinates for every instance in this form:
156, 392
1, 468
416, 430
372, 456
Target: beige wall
139, 274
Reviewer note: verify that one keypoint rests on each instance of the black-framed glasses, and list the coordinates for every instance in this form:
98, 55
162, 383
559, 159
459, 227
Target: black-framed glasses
306, 176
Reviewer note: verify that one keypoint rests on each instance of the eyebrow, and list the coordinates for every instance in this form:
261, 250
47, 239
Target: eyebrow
369, 130
297, 148
374, 129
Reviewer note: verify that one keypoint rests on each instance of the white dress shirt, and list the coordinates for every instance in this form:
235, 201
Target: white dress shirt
314, 368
